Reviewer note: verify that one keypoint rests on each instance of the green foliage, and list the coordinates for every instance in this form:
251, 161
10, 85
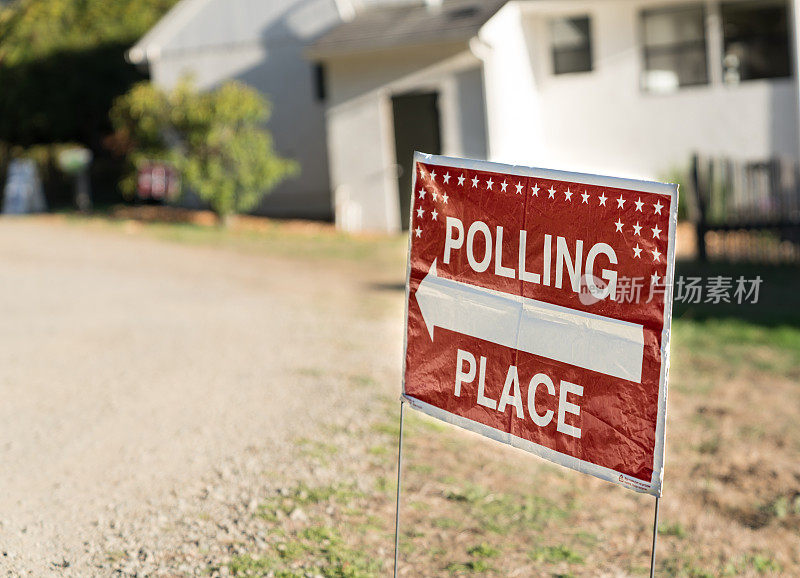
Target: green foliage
32, 29
483, 550
472, 567
247, 565
500, 513
677, 530
216, 139
62, 62
680, 177
553, 554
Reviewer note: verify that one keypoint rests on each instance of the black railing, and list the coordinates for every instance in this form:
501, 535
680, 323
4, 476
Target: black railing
745, 210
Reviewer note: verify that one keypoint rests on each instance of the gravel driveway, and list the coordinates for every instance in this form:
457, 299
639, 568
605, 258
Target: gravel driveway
132, 370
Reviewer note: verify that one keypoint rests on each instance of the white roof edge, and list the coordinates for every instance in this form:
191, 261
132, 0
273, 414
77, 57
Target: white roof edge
149, 46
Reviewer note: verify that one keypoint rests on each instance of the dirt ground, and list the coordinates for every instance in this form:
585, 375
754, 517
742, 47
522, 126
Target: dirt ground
177, 408
132, 368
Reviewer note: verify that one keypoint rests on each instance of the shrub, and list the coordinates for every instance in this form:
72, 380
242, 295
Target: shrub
216, 139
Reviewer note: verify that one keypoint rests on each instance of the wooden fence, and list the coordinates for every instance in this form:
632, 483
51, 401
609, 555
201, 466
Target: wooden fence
745, 210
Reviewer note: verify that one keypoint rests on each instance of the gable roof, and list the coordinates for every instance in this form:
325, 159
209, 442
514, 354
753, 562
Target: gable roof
395, 26
221, 24
150, 45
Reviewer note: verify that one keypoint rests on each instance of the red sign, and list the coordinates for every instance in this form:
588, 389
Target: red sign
538, 312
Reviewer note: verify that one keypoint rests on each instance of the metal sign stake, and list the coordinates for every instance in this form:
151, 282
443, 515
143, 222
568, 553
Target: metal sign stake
655, 535
397, 504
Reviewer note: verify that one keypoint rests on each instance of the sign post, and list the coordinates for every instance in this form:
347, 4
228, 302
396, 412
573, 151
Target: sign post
538, 309
397, 497
655, 538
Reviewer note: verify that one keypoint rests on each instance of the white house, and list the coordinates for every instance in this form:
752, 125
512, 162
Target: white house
261, 43
622, 87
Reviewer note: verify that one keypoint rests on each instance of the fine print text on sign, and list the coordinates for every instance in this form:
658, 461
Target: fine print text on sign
516, 325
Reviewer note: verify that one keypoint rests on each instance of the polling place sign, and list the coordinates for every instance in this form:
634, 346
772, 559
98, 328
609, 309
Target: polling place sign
538, 312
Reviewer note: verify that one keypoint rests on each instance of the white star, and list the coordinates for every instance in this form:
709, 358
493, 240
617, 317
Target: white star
444, 198
637, 229
418, 231
618, 225
639, 204
446, 178
656, 232
620, 202
489, 184
654, 279
434, 195
658, 206
504, 186
656, 254
433, 175
585, 196
552, 192
568, 194
461, 180
603, 199
475, 183
422, 193
637, 252
519, 188
422, 172
434, 214
535, 190
420, 212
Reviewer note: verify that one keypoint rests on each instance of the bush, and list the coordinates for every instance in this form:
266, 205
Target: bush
216, 140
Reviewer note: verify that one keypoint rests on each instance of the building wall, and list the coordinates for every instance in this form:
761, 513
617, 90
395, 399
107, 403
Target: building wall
262, 44
601, 121
360, 123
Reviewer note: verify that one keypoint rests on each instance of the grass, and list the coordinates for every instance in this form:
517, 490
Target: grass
302, 496
483, 550
313, 546
323, 551
782, 507
471, 567
675, 529
320, 452
757, 562
554, 554
479, 564
246, 565
294, 240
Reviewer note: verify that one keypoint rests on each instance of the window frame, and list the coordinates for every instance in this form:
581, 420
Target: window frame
676, 47
588, 47
725, 41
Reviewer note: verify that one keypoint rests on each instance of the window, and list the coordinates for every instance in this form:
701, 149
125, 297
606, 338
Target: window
572, 45
756, 37
674, 48
320, 82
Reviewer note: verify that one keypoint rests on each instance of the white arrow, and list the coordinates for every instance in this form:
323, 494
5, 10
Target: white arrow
586, 340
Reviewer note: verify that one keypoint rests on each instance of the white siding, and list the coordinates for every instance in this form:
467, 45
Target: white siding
360, 124
262, 43
601, 121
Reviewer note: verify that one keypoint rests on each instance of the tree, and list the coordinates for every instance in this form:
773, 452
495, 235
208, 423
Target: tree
62, 62
216, 139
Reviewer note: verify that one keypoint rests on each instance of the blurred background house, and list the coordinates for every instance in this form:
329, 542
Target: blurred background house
624, 87
261, 44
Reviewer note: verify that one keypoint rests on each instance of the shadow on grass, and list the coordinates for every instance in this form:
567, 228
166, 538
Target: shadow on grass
778, 302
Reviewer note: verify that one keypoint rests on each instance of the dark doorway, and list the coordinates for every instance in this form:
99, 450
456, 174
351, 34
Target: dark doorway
416, 128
